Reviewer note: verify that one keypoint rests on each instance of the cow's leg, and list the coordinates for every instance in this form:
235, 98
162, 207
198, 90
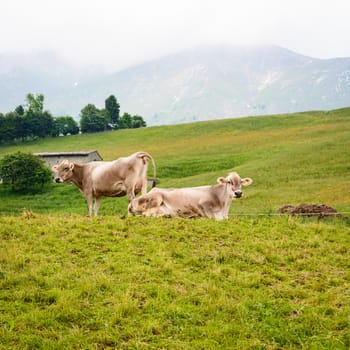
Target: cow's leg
89, 204
131, 194
144, 186
97, 205
219, 216
207, 210
130, 209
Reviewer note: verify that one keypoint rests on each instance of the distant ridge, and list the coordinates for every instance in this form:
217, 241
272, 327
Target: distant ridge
201, 84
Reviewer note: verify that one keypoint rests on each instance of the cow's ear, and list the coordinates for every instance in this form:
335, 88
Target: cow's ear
246, 181
221, 180
71, 166
54, 168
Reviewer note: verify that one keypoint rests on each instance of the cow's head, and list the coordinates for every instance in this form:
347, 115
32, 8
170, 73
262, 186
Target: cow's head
64, 171
138, 205
234, 184
145, 203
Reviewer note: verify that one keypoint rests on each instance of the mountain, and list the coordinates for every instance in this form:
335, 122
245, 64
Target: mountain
199, 84
43, 72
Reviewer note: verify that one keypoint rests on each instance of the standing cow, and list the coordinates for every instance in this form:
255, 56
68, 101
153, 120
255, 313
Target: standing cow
204, 201
123, 176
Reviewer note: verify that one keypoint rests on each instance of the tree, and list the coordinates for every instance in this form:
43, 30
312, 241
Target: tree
138, 122
24, 172
39, 124
12, 127
92, 119
125, 121
7, 127
35, 103
113, 109
19, 110
20, 125
29, 122
66, 125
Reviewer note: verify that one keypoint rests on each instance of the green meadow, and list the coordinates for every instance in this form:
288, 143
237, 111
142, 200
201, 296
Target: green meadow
255, 281
293, 159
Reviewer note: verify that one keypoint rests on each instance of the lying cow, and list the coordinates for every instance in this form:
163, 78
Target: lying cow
205, 201
124, 176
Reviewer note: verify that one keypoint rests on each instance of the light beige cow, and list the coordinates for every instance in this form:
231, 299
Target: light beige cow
123, 176
204, 201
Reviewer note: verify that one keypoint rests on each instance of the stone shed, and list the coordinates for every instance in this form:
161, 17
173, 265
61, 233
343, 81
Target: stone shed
53, 158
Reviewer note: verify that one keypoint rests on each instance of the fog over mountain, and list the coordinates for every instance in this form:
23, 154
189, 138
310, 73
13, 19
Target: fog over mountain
204, 83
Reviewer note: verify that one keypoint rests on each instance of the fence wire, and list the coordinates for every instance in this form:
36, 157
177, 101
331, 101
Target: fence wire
292, 214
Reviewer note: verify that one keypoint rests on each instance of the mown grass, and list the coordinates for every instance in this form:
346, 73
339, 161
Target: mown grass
68, 282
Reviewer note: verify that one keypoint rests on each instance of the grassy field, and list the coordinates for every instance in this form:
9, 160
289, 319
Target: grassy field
292, 159
68, 282
250, 282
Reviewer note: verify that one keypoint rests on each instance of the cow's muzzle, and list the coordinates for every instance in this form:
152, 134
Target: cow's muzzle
58, 180
131, 209
238, 194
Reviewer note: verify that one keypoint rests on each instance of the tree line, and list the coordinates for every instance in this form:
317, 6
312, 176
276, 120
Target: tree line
31, 121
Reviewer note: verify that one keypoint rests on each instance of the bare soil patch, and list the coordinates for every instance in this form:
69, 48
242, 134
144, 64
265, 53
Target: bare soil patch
319, 210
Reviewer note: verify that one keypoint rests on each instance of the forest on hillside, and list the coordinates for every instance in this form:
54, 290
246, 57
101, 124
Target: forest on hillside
31, 121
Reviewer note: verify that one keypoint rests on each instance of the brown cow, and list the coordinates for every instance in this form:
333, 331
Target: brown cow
205, 201
124, 176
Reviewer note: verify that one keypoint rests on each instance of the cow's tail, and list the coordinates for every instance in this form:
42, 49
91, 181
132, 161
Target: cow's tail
144, 156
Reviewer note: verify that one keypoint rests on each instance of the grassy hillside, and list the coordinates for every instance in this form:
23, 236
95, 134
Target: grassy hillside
249, 282
292, 159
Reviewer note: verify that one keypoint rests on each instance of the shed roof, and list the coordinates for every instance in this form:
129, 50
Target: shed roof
63, 154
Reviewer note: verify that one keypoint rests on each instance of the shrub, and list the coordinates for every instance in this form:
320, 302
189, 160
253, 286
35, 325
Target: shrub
24, 172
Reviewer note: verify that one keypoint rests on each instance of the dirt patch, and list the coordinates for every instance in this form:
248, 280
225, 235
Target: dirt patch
319, 210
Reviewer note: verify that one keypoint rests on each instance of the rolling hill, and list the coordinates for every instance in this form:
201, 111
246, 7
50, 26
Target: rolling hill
292, 159
200, 84
255, 281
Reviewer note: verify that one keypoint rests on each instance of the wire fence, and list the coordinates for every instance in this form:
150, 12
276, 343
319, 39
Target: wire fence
319, 214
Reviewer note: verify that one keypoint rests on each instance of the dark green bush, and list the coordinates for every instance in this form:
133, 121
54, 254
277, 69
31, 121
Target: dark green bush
24, 172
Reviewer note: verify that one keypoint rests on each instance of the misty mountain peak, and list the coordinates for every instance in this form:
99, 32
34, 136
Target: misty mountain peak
203, 83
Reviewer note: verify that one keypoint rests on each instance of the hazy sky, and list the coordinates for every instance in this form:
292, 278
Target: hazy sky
116, 33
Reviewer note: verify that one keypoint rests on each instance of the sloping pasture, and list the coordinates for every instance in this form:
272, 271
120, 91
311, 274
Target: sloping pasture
292, 159
255, 281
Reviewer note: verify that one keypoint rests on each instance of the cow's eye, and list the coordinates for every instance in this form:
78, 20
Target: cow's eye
66, 169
